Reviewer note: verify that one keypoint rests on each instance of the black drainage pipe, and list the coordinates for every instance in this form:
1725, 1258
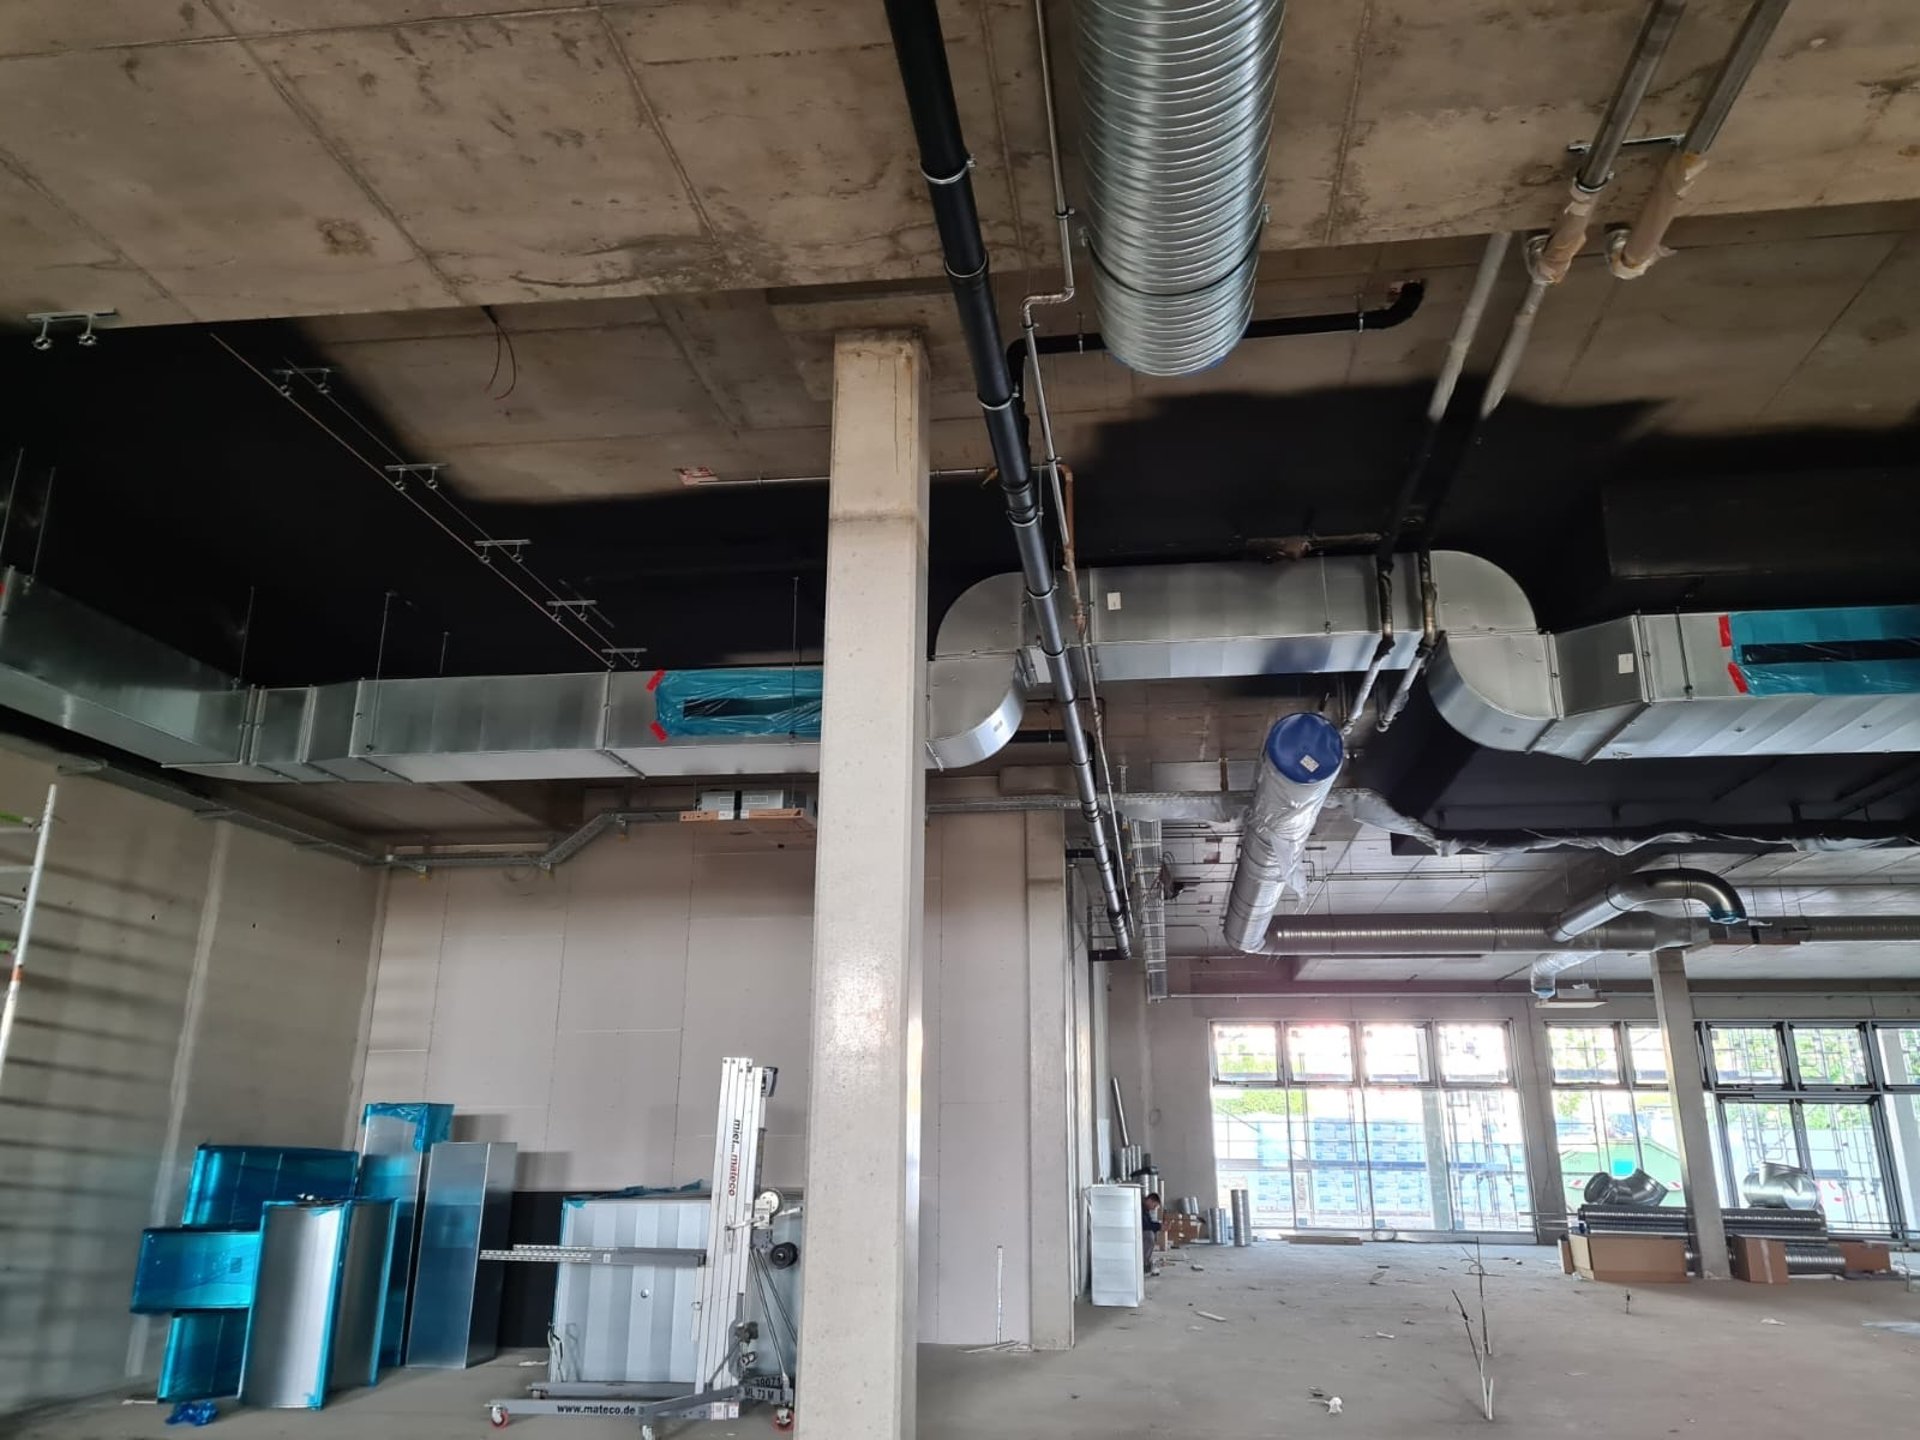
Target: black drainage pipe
921, 51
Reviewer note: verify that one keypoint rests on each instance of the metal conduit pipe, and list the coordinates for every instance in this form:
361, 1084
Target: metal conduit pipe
1636, 892
1444, 385
1298, 765
1458, 934
1631, 934
920, 49
1550, 256
1633, 251
1177, 112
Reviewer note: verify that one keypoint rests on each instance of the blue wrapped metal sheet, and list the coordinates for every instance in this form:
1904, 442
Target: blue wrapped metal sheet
230, 1184
204, 1351
192, 1269
229, 1188
394, 1140
769, 700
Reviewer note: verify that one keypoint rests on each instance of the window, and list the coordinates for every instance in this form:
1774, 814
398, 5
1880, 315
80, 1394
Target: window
1746, 1055
1395, 1054
1407, 1126
1474, 1054
1583, 1054
1830, 1054
1245, 1052
1320, 1053
1899, 1054
1647, 1054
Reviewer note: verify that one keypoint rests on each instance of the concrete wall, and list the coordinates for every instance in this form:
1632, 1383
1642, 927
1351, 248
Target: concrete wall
186, 982
584, 1012
1160, 1052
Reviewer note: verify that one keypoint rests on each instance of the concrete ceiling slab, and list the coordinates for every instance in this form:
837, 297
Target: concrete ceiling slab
31, 26
795, 134
250, 17
622, 380
515, 151
1720, 335
264, 221
1863, 368
56, 262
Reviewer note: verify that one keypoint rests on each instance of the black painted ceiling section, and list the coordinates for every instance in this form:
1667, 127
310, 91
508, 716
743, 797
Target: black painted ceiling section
182, 485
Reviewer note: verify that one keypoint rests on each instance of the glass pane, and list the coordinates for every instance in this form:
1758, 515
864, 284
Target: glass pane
1757, 1134
1746, 1055
1403, 1158
1395, 1053
1846, 1165
1659, 1141
1251, 1152
1245, 1052
1486, 1157
1596, 1133
1830, 1054
1647, 1055
1320, 1052
1329, 1162
1899, 1053
1583, 1054
1474, 1053
1903, 1126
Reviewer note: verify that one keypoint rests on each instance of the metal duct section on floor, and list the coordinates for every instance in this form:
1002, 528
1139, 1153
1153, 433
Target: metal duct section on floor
1298, 765
1176, 115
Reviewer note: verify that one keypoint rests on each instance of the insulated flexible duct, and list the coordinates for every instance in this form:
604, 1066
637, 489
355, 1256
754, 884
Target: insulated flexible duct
1298, 765
1177, 109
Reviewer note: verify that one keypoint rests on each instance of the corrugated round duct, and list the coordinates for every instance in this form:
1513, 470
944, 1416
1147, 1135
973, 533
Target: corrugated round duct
1177, 110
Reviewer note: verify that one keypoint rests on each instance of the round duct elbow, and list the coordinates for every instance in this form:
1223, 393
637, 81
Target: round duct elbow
1177, 112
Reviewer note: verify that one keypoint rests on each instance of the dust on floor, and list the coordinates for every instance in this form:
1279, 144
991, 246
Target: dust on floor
1374, 1325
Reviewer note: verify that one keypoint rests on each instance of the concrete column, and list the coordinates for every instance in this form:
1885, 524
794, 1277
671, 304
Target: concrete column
860, 1296
1673, 1007
1050, 1075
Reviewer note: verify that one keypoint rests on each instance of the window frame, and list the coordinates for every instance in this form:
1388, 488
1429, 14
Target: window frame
1356, 1029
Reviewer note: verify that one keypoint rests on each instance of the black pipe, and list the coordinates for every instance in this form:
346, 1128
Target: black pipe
921, 52
1407, 297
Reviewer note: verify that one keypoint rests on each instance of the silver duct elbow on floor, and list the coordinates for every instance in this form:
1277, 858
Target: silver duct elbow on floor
1636, 892
1298, 765
1177, 111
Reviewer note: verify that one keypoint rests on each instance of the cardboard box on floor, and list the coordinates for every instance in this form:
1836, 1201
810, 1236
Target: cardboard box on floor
1758, 1261
1629, 1259
1865, 1257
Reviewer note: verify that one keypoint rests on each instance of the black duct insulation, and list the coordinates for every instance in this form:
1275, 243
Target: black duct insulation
921, 51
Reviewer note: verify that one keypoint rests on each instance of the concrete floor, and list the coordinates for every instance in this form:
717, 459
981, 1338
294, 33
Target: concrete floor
1374, 1324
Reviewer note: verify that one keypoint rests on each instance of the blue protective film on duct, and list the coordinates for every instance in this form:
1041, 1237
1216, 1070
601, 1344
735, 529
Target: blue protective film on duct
766, 700
185, 1269
431, 1123
1848, 650
204, 1351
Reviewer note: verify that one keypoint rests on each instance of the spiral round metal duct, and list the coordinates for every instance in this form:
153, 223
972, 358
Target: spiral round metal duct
1177, 108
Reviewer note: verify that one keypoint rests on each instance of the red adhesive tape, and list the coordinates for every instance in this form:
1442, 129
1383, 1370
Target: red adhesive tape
1739, 680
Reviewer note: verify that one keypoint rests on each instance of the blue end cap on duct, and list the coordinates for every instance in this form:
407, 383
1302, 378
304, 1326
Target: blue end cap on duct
1305, 748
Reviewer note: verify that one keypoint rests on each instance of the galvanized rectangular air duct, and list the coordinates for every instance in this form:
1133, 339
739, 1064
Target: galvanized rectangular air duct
1176, 113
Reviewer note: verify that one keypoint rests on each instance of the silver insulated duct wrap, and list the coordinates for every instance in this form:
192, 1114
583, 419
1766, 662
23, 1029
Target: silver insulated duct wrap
1298, 765
1177, 108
